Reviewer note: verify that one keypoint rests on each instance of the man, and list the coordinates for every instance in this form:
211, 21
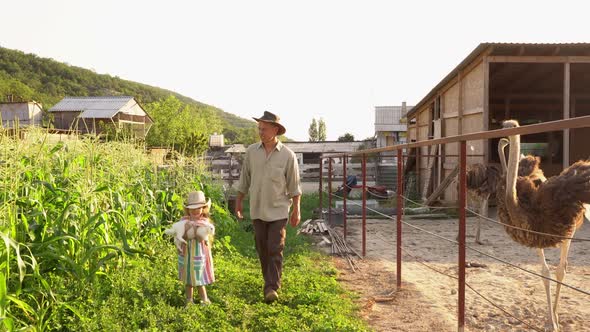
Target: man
270, 175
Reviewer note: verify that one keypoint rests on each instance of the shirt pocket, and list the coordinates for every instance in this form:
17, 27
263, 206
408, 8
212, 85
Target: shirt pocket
277, 177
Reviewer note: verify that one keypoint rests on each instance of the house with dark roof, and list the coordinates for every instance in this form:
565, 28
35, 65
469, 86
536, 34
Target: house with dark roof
97, 114
531, 83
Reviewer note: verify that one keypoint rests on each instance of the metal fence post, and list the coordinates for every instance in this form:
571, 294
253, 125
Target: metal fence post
364, 236
320, 190
462, 198
399, 209
329, 191
344, 193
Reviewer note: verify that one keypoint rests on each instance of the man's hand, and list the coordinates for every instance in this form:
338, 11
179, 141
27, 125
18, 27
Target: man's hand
295, 217
295, 214
239, 206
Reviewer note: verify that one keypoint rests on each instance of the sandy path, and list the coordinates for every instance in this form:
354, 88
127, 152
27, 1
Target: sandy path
429, 301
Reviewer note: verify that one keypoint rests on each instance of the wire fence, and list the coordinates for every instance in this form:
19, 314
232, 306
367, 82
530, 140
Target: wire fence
478, 251
483, 136
488, 219
422, 262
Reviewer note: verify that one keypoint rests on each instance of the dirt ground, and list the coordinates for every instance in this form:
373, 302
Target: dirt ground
428, 300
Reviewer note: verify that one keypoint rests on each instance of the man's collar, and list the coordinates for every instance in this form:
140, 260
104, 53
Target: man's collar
278, 147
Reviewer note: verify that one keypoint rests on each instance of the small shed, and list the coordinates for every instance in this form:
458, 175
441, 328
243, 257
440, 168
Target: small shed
216, 140
21, 114
236, 148
96, 114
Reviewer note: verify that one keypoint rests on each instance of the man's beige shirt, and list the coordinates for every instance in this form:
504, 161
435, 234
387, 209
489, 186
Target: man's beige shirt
271, 181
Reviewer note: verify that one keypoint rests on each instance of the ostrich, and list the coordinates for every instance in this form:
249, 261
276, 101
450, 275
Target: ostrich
483, 181
554, 206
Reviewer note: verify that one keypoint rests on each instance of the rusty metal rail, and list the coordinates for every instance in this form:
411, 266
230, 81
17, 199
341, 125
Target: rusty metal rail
572, 123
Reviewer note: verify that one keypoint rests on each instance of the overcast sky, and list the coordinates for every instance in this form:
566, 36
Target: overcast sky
299, 59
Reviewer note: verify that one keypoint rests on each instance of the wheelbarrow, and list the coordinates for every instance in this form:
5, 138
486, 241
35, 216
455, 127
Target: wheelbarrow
377, 192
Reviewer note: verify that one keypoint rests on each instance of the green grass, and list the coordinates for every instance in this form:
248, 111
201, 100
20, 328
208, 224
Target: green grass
146, 296
82, 223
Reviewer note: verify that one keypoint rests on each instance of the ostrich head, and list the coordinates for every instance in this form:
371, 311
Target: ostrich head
510, 124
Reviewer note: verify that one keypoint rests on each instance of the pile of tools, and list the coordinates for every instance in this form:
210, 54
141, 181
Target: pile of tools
334, 239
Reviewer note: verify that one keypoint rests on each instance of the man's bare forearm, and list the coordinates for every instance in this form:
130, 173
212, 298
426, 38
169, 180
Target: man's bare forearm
296, 200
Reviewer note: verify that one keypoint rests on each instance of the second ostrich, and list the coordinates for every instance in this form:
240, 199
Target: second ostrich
482, 182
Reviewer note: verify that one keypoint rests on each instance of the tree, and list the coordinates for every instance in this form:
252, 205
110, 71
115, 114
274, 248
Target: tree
321, 130
185, 127
348, 137
248, 136
230, 134
313, 131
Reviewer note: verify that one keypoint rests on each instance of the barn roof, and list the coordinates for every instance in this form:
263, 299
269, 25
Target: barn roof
106, 103
495, 48
97, 107
323, 147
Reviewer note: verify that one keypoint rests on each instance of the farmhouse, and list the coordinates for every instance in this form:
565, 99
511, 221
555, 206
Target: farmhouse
390, 124
97, 114
532, 83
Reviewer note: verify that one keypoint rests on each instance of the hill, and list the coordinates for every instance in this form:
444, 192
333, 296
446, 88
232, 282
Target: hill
45, 80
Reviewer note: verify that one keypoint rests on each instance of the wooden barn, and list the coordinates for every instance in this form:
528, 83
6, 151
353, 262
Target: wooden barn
96, 114
532, 83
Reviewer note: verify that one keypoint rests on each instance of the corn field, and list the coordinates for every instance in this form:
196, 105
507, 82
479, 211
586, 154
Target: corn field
71, 211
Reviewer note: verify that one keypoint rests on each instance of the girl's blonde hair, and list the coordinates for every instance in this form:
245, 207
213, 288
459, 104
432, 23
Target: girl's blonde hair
205, 213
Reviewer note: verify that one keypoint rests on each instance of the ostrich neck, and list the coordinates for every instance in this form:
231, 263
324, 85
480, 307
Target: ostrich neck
512, 170
501, 147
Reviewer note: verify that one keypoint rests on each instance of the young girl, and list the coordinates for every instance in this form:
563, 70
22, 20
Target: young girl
195, 263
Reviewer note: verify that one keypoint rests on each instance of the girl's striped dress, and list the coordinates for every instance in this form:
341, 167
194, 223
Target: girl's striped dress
195, 264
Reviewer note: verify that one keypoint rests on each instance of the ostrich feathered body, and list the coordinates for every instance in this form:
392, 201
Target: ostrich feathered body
552, 206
